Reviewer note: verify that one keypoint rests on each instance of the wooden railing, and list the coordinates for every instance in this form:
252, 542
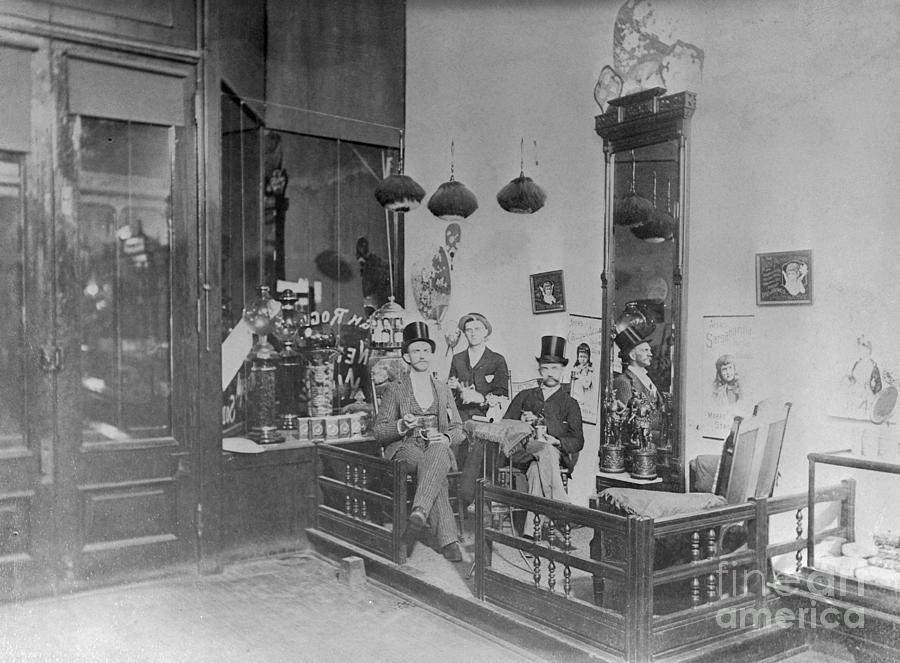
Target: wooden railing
362, 499
642, 588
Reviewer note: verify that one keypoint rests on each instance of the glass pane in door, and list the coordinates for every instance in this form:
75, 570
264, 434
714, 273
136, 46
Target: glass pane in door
124, 211
13, 385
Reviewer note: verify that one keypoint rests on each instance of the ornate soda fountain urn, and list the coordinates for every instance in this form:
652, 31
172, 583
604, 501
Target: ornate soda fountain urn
612, 451
260, 315
643, 458
289, 374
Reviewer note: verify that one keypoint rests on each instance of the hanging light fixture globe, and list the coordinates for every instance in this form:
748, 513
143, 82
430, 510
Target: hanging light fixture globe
452, 201
522, 195
398, 192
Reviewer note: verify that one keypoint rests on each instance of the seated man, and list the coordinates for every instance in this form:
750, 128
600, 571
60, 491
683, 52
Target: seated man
428, 452
564, 438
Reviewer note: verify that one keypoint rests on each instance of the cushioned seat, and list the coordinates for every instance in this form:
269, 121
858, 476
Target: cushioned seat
657, 504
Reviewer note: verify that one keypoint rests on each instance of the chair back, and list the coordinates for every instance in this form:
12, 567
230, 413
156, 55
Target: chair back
748, 466
776, 414
516, 387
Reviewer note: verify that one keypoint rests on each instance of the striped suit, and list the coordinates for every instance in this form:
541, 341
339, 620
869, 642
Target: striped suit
429, 462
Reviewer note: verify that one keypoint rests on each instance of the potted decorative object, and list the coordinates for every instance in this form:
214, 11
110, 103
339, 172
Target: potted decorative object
612, 451
260, 316
643, 458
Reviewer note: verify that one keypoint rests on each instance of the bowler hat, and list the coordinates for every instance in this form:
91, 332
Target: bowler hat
468, 317
628, 339
416, 331
553, 349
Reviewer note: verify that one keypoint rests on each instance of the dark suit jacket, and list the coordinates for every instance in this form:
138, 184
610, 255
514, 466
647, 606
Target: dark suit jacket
625, 382
561, 413
491, 364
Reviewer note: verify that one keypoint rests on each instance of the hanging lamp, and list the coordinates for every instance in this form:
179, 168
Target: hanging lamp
632, 209
660, 225
522, 195
452, 201
398, 192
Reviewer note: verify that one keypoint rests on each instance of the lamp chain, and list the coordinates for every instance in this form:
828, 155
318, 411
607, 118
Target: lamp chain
451, 160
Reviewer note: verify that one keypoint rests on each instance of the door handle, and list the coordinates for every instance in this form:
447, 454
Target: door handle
51, 359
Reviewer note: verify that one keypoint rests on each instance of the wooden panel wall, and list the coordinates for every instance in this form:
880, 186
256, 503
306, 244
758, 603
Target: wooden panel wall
343, 58
170, 23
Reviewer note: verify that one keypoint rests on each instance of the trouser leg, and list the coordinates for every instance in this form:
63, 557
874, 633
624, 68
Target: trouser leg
431, 496
471, 472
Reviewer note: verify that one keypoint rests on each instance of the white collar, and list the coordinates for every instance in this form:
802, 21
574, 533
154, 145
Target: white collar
549, 391
641, 373
473, 357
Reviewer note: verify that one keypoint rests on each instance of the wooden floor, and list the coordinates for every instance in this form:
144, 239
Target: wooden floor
283, 610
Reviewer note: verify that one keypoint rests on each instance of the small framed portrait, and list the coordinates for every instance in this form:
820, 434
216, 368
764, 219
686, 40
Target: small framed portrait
547, 292
785, 277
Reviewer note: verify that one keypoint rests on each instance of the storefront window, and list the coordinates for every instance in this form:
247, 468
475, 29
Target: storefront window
13, 387
124, 209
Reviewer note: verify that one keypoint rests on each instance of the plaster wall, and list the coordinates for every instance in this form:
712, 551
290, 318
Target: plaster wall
794, 147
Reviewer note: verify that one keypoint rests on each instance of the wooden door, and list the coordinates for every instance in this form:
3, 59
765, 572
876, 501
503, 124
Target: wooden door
96, 472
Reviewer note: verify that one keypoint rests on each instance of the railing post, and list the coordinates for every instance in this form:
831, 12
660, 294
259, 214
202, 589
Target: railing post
639, 583
480, 543
759, 535
398, 550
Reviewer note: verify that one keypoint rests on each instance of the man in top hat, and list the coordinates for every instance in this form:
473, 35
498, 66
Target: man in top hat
564, 438
427, 451
637, 356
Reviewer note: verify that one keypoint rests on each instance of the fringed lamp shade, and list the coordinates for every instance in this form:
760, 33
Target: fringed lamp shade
452, 201
399, 193
521, 196
632, 209
659, 227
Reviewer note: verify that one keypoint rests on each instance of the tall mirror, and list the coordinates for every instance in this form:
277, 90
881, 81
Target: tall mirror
646, 141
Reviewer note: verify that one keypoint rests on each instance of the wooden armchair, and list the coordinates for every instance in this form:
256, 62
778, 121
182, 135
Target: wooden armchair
713, 472
747, 468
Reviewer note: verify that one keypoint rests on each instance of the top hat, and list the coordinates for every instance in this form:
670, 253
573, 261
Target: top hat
415, 331
553, 349
468, 317
628, 339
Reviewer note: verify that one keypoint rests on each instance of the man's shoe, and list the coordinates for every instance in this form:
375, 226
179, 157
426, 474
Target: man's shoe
452, 552
414, 526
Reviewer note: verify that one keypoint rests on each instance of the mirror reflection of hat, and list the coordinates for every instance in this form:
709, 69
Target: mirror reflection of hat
628, 339
469, 317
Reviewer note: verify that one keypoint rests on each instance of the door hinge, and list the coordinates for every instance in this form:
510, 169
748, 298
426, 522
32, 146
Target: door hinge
51, 359
198, 522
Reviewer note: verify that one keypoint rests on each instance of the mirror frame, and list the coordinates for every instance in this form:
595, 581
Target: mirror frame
639, 120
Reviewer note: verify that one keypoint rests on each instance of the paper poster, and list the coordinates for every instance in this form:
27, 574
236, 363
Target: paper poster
728, 374
583, 351
234, 351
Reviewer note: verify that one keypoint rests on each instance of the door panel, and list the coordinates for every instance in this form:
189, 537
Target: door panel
123, 229
97, 355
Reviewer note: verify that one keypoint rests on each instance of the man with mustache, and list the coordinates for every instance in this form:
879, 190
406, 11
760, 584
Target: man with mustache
542, 457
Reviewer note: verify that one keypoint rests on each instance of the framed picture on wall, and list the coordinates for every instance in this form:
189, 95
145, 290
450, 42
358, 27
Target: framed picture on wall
785, 277
547, 292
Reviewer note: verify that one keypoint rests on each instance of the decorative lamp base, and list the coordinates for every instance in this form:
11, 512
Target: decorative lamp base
266, 435
612, 458
643, 463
